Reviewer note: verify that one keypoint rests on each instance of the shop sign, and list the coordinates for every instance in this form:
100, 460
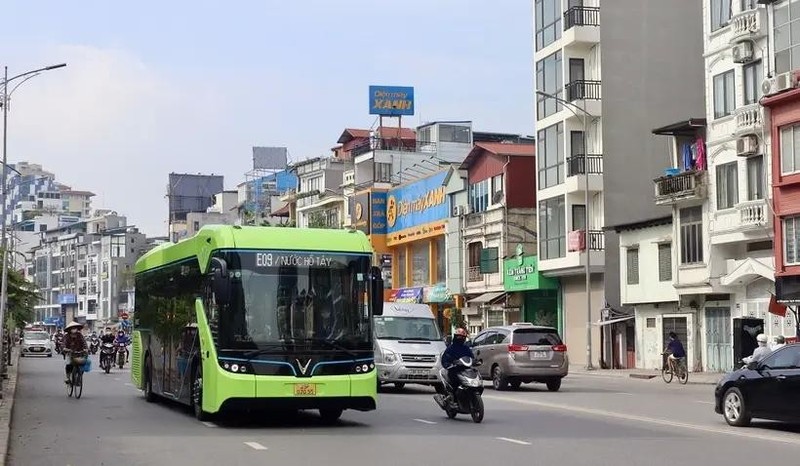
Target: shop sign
359, 212
438, 293
407, 295
391, 100
418, 203
522, 273
378, 213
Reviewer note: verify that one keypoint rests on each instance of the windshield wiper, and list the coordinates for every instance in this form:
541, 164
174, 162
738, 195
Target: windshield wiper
270, 348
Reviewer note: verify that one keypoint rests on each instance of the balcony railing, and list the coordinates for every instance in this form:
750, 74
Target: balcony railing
474, 274
393, 144
581, 16
749, 119
597, 240
748, 24
583, 89
753, 213
580, 164
686, 185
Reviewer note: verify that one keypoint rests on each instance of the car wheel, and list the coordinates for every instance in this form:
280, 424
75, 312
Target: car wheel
734, 408
554, 385
499, 381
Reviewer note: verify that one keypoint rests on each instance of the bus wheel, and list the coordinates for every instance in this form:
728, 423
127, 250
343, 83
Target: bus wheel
148, 381
330, 415
197, 395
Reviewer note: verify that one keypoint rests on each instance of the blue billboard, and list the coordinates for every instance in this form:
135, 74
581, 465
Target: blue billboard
67, 298
378, 214
391, 100
418, 203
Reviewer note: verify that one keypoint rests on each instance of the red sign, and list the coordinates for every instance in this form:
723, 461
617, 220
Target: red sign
123, 315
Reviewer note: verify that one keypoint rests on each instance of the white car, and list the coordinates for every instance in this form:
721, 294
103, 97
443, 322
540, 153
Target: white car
36, 343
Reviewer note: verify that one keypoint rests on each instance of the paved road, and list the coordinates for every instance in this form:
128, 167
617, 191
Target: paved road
597, 419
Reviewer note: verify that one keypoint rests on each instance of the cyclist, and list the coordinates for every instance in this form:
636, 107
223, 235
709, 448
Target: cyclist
675, 350
75, 343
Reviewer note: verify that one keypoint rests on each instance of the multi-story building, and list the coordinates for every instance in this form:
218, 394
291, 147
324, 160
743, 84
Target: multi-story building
594, 115
319, 200
189, 193
222, 212
498, 219
84, 271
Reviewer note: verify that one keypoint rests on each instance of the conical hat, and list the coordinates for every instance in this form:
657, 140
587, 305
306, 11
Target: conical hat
73, 324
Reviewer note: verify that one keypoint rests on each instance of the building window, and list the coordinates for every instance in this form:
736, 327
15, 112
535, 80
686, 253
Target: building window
632, 260
727, 186
550, 156
401, 267
791, 240
441, 260
552, 228
755, 178
650, 322
383, 172
720, 13
474, 251
790, 149
454, 133
578, 217
691, 235
497, 189
490, 260
548, 22
665, 262
550, 80
786, 21
313, 184
479, 196
420, 263
724, 94
753, 76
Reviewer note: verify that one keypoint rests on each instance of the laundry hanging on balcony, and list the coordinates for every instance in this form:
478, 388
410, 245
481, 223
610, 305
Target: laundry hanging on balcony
693, 156
688, 157
700, 154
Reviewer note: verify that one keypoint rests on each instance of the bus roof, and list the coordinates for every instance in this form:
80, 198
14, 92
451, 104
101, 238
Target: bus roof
212, 237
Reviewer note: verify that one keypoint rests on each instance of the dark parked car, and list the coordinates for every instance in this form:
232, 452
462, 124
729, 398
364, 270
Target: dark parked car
768, 389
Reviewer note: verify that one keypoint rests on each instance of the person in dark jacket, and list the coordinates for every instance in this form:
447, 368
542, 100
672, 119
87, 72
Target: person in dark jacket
457, 350
75, 343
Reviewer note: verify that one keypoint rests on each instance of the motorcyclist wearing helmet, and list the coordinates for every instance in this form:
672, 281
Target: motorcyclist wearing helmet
761, 352
107, 336
457, 350
123, 340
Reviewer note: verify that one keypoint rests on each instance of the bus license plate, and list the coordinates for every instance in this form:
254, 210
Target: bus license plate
539, 355
305, 389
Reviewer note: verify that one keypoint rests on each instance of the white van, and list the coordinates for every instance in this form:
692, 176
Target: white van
408, 345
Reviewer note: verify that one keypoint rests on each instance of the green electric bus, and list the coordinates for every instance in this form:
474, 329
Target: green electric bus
258, 317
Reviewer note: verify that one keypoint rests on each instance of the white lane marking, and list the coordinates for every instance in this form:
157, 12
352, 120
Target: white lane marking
209, 424
255, 445
622, 393
704, 402
117, 379
424, 421
748, 434
511, 440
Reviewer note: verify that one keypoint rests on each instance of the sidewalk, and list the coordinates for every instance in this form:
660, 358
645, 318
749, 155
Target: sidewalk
7, 404
696, 378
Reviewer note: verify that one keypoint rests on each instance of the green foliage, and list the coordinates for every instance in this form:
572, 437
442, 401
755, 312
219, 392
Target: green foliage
22, 296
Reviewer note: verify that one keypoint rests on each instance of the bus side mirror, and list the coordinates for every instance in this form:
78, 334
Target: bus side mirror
376, 291
220, 282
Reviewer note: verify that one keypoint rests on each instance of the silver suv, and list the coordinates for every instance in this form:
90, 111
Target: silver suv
519, 353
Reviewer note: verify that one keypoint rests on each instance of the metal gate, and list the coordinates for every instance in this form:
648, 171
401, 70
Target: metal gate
719, 343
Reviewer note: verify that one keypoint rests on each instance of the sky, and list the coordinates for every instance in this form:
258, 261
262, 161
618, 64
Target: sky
153, 87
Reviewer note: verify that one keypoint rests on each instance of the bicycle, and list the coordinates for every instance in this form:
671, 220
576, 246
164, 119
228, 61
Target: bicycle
668, 369
75, 385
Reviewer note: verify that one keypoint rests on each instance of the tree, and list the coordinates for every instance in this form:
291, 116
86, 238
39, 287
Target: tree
22, 296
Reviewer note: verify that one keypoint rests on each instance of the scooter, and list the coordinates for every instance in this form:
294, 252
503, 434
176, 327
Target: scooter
94, 345
122, 354
107, 357
466, 397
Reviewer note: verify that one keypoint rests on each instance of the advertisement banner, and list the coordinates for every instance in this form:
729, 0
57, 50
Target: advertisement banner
522, 273
407, 295
391, 100
378, 213
418, 203
359, 213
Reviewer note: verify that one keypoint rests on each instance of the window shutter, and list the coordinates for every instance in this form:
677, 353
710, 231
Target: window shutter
489, 260
665, 262
633, 266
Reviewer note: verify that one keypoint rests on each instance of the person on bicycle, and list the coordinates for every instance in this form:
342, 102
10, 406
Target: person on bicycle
761, 352
75, 343
675, 350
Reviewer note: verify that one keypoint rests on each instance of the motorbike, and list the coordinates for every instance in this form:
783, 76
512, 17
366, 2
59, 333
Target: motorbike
94, 345
466, 397
122, 354
107, 357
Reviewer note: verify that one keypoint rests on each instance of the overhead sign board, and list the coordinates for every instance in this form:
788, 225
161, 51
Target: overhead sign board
391, 100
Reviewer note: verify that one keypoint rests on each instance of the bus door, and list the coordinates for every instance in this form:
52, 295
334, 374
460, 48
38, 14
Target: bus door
186, 348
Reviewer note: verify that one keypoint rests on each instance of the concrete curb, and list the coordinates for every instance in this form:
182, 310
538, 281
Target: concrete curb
7, 407
703, 380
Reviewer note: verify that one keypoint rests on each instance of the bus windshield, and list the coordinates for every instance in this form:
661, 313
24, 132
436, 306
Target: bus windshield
295, 297
406, 328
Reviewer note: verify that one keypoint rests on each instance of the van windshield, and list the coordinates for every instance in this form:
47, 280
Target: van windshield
406, 328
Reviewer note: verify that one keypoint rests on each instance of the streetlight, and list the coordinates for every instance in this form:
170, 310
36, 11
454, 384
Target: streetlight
4, 285
587, 268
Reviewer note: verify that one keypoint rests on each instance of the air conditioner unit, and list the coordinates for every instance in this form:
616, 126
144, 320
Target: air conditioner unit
458, 211
747, 145
777, 84
743, 52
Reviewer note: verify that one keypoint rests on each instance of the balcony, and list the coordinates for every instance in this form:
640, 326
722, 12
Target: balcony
753, 214
749, 120
577, 240
582, 89
748, 220
581, 164
748, 25
392, 144
474, 274
686, 186
581, 16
